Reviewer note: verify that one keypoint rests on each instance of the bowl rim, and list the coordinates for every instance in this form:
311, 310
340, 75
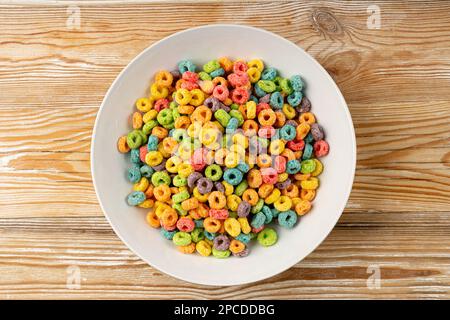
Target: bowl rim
313, 61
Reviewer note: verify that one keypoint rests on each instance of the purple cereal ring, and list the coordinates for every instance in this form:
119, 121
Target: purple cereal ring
305, 106
265, 99
291, 123
241, 254
317, 132
243, 209
204, 185
161, 166
221, 242
283, 185
219, 187
193, 178
176, 75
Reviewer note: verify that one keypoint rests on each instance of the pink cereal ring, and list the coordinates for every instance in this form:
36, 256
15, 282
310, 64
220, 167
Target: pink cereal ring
240, 67
143, 152
257, 230
161, 104
321, 148
262, 106
239, 95
269, 175
220, 214
280, 164
190, 76
221, 92
238, 79
296, 145
189, 85
198, 159
185, 224
266, 132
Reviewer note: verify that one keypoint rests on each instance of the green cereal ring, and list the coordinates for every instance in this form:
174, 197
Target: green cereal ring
267, 86
221, 254
180, 134
196, 144
204, 76
238, 115
179, 181
285, 86
180, 210
240, 188
222, 116
144, 136
175, 114
181, 196
161, 177
213, 172
173, 105
234, 106
211, 66
169, 125
232, 214
182, 238
308, 166
147, 128
267, 237
135, 198
257, 207
197, 234
277, 81
165, 116
135, 139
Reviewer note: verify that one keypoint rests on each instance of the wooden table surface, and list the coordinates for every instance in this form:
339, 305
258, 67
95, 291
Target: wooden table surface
395, 78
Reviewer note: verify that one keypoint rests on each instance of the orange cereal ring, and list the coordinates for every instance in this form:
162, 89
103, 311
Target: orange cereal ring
288, 154
236, 246
228, 101
190, 248
220, 155
122, 145
264, 161
169, 145
149, 191
267, 117
250, 127
137, 120
302, 130
298, 154
221, 81
169, 217
251, 196
195, 214
307, 194
160, 132
212, 225
254, 178
302, 177
164, 78
265, 190
307, 117
303, 207
186, 109
182, 122
217, 200
280, 119
162, 192
226, 64
152, 219
291, 191
189, 204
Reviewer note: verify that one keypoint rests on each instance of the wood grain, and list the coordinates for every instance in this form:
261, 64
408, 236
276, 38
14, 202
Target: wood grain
395, 80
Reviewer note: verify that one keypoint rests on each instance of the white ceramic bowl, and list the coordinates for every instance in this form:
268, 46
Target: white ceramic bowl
201, 45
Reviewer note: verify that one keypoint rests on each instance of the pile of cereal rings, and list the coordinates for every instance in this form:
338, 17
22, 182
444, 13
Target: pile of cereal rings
219, 154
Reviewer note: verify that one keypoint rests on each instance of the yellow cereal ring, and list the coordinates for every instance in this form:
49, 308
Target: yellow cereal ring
256, 63
319, 168
150, 115
190, 204
197, 97
147, 204
185, 169
137, 120
253, 74
200, 197
273, 196
310, 184
162, 192
152, 219
289, 111
284, 203
233, 202
229, 189
172, 164
183, 96
276, 147
158, 92
245, 226
203, 248
217, 200
142, 185
164, 78
232, 227
144, 104
153, 158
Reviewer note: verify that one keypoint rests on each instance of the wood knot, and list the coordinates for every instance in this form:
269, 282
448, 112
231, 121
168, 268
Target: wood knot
326, 22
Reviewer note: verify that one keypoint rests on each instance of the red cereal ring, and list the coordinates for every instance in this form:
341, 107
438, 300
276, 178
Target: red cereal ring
240, 95
221, 92
185, 224
266, 132
280, 164
296, 145
238, 79
143, 152
240, 67
220, 214
261, 106
321, 148
189, 85
269, 175
257, 230
190, 76
161, 104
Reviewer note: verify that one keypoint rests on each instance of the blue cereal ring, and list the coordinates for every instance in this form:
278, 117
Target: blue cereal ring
198, 223
233, 176
209, 235
233, 124
276, 100
269, 74
275, 213
167, 234
287, 219
245, 238
146, 171
135, 198
293, 166
307, 151
217, 73
295, 98
186, 65
253, 98
134, 174
135, 156
259, 92
268, 214
258, 220
243, 167
152, 144
297, 83
288, 132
